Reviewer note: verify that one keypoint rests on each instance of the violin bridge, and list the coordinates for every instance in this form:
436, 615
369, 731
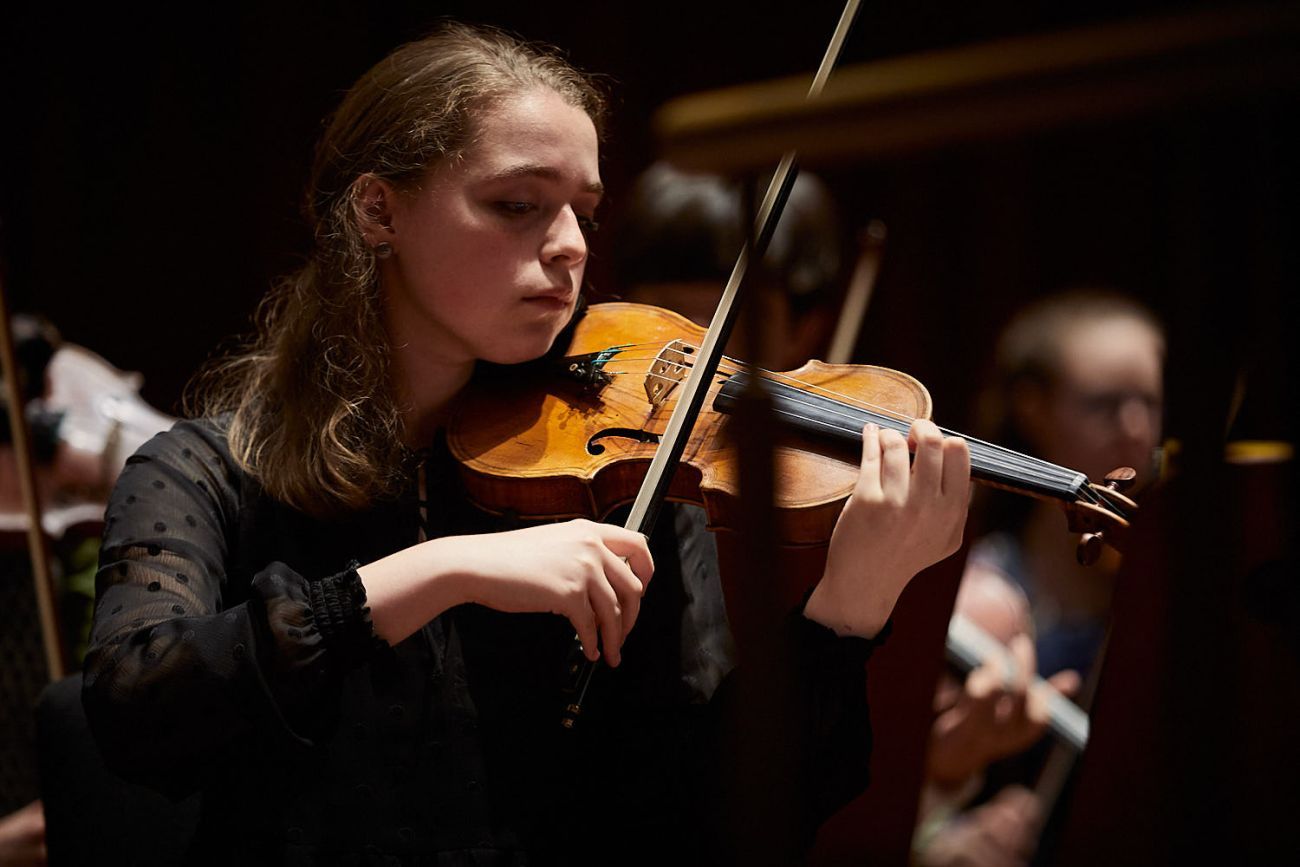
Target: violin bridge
669, 368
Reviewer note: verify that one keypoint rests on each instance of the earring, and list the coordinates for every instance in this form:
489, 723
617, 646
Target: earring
383, 250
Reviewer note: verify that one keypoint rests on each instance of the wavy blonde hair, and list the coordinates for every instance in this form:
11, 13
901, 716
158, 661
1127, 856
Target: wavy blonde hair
307, 398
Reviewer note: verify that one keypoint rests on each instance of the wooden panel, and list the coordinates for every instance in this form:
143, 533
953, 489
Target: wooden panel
993, 90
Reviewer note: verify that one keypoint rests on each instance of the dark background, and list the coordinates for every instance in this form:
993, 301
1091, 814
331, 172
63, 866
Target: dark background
153, 161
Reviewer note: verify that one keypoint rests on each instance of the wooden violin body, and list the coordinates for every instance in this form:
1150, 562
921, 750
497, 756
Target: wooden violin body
578, 447
575, 439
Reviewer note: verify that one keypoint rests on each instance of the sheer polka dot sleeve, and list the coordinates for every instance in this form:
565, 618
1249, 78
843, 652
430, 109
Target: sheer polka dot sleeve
186, 659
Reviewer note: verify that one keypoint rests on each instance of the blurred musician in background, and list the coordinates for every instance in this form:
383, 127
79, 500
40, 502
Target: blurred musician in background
85, 417
680, 233
1078, 382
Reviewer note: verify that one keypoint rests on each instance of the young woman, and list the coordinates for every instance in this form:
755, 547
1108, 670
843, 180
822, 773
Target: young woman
299, 613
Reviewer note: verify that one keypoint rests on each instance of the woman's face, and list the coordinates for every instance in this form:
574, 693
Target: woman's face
489, 249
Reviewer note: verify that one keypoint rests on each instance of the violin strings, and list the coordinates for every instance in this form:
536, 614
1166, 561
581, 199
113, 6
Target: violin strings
856, 403
735, 366
993, 456
1006, 457
980, 459
985, 456
990, 460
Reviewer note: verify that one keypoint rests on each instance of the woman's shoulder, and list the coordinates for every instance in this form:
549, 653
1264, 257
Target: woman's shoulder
174, 483
196, 451
186, 438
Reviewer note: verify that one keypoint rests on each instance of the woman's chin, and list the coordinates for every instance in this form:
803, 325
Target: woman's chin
516, 353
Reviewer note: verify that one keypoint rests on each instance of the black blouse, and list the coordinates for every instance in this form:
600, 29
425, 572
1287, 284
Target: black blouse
232, 653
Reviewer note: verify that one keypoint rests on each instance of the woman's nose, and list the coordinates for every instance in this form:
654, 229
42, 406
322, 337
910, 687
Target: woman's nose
564, 239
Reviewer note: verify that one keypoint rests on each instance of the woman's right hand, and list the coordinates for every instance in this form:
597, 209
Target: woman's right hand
593, 574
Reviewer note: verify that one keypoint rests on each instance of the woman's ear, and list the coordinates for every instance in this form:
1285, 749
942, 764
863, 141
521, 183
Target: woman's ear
372, 201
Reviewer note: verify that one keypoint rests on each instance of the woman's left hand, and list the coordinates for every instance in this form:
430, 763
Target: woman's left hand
899, 520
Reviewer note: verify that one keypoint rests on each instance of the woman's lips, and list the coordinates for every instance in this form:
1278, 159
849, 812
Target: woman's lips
558, 300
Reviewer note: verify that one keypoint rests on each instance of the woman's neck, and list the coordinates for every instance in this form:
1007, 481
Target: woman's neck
425, 386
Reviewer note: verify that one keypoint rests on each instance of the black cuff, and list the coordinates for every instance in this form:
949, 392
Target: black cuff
823, 642
339, 606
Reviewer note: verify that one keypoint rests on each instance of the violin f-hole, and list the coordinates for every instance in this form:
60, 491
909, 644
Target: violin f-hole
641, 436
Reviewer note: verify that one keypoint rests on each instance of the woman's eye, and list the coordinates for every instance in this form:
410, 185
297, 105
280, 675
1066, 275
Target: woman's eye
588, 225
516, 209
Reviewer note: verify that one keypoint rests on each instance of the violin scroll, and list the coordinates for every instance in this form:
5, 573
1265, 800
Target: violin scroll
1103, 524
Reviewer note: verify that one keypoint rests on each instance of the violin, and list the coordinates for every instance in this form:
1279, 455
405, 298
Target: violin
573, 438
580, 443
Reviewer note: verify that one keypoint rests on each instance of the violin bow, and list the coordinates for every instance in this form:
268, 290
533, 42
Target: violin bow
854, 309
40, 552
645, 508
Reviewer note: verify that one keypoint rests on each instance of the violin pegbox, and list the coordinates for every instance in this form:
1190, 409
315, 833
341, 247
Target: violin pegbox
1104, 522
